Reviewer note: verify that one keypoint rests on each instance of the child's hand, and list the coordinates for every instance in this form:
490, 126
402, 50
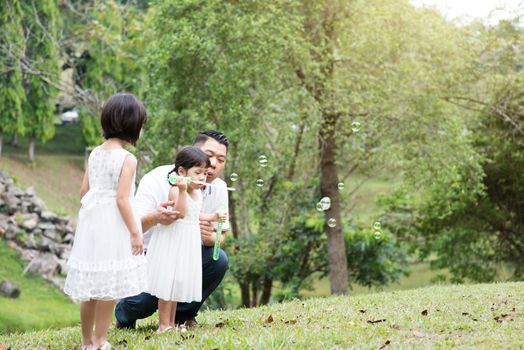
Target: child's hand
137, 243
181, 183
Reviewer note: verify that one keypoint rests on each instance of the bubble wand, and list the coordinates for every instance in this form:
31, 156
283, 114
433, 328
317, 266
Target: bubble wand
216, 249
171, 178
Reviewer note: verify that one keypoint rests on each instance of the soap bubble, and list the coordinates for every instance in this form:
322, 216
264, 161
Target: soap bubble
377, 225
262, 161
355, 126
320, 207
332, 222
377, 234
340, 186
326, 203
234, 177
260, 182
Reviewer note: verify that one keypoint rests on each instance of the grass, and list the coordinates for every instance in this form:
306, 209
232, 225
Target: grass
57, 171
457, 317
40, 305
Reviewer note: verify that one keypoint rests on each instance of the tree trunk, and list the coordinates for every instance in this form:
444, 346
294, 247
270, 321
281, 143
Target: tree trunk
254, 294
1, 141
266, 291
14, 140
31, 149
244, 293
338, 273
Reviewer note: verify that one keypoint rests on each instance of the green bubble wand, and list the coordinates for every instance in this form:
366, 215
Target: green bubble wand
216, 249
172, 176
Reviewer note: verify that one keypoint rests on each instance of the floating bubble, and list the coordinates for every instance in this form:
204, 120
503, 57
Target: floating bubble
234, 177
377, 234
326, 203
340, 186
377, 225
332, 222
262, 161
260, 182
320, 207
355, 126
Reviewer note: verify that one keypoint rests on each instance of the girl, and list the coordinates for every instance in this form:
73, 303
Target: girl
174, 252
107, 260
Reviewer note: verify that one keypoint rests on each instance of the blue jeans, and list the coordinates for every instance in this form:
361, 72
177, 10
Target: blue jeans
130, 309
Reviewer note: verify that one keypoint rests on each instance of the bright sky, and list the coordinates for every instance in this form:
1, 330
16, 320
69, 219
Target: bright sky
474, 9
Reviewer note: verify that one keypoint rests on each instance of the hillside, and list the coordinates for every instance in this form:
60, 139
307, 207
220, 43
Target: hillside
486, 316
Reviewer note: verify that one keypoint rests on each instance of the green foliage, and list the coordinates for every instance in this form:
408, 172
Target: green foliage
41, 53
11, 90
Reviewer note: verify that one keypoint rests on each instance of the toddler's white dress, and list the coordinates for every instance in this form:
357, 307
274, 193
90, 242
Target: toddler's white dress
101, 264
174, 257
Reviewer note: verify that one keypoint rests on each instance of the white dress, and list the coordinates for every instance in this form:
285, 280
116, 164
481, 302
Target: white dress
101, 264
174, 257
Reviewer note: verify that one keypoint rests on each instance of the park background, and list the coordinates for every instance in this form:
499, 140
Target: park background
409, 120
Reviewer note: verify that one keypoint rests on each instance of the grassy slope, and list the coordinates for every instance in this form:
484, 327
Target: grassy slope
40, 304
458, 316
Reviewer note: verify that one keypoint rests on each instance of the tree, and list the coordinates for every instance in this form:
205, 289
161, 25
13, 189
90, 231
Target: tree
11, 91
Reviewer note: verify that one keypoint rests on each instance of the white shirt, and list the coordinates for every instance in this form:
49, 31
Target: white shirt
154, 190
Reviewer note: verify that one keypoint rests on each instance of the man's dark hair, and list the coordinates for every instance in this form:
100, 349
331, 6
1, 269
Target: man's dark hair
123, 116
203, 136
190, 156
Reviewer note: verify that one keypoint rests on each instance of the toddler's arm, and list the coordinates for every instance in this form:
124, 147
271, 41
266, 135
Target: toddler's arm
177, 195
122, 201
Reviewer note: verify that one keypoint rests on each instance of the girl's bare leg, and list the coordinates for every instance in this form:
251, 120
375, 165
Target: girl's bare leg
173, 314
164, 314
104, 312
87, 320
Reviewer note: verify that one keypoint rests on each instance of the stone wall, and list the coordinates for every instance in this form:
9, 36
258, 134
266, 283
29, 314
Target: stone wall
42, 238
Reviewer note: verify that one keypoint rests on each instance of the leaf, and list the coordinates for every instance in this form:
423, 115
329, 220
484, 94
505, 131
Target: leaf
504, 317
419, 334
219, 325
385, 344
290, 322
269, 319
424, 312
362, 311
376, 321
465, 314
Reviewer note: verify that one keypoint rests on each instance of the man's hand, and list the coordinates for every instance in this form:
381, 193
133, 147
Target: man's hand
163, 215
208, 233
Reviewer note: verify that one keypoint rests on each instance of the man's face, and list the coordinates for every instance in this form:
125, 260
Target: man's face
217, 155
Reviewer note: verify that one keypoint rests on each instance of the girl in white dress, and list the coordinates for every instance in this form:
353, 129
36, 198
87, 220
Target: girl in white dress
107, 260
174, 253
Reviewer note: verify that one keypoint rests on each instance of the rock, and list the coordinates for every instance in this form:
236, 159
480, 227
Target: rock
27, 254
68, 238
4, 221
63, 251
58, 282
9, 289
44, 264
11, 244
46, 226
62, 266
46, 245
31, 191
38, 205
49, 216
30, 223
2, 188
10, 233
12, 202
51, 234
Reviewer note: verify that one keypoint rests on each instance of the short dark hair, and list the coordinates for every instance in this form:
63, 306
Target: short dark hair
203, 136
190, 156
123, 116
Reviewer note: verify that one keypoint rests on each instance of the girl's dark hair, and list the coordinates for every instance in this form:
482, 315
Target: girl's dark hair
123, 116
190, 156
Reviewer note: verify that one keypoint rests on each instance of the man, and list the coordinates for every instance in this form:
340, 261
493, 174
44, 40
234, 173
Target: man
153, 208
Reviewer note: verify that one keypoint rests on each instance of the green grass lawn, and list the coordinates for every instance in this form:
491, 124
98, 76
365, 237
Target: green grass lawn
40, 305
456, 317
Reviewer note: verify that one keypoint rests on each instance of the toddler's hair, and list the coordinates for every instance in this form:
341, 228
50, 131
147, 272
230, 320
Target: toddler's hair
123, 116
191, 156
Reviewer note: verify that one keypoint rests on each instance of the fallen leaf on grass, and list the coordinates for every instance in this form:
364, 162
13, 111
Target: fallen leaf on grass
395, 326
504, 317
419, 334
362, 311
269, 319
376, 321
384, 345
147, 337
424, 312
290, 321
219, 325
465, 314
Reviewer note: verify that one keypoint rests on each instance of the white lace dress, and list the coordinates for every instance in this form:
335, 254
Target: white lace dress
174, 258
101, 264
